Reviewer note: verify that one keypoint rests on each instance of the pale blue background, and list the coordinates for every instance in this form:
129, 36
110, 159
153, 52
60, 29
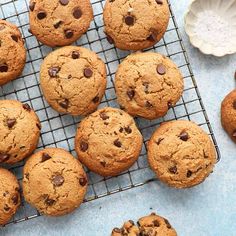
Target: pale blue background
206, 210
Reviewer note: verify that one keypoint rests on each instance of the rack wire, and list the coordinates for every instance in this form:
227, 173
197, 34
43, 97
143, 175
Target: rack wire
59, 130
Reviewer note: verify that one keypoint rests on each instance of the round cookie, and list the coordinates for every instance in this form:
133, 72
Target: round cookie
148, 84
59, 22
12, 52
73, 80
228, 114
54, 182
108, 141
135, 24
20, 131
181, 154
9, 195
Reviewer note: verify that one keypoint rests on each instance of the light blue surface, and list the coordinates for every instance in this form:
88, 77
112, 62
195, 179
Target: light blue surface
206, 210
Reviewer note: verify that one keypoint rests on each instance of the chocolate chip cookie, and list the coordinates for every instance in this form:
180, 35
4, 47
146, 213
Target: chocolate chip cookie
73, 80
20, 131
108, 141
152, 225
148, 84
59, 22
228, 114
135, 24
54, 182
9, 195
12, 52
181, 154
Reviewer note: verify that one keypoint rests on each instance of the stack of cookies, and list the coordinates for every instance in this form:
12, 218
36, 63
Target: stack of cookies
107, 142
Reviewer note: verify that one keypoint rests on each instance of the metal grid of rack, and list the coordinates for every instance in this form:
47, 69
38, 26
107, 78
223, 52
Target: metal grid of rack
59, 130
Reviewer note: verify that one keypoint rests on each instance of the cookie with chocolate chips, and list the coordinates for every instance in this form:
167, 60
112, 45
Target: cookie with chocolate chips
12, 52
108, 141
9, 196
73, 80
228, 114
59, 22
20, 131
148, 84
135, 24
62, 185
181, 154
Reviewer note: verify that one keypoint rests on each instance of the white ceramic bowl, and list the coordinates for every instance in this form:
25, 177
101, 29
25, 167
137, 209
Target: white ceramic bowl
211, 26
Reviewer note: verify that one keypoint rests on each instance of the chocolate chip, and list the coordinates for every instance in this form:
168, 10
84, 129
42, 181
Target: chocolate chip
49, 201
234, 104
103, 163
64, 2
159, 2
53, 71
156, 223
116, 230
104, 116
152, 37
30, 31
159, 141
121, 130
15, 199
45, 157
184, 136
131, 94
173, 170
146, 86
161, 69
15, 38
234, 134
189, 173
117, 143
110, 39
38, 126
167, 223
148, 104
69, 33
83, 181
131, 222
88, 72
64, 104
138, 223
169, 104
77, 13
2, 27
96, 99
41, 15
75, 55
128, 130
58, 180
6, 208
11, 123
57, 24
83, 146
32, 6
27, 176
129, 20
4, 157
3, 67
27, 107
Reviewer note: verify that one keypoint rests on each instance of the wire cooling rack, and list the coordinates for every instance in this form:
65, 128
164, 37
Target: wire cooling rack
59, 130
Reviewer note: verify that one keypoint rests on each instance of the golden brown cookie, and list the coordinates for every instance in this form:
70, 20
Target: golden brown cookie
12, 52
54, 182
228, 114
148, 84
59, 22
181, 154
73, 80
108, 141
9, 195
20, 131
135, 24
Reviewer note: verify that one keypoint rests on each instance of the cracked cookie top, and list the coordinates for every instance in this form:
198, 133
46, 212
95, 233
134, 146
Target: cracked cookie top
148, 84
12, 52
135, 24
54, 182
152, 225
181, 154
73, 80
59, 22
9, 195
20, 131
108, 141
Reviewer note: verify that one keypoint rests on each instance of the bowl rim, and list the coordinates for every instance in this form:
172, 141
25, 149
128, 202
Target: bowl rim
213, 52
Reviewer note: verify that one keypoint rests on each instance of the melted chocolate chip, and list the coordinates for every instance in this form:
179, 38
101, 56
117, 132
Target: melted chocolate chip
148, 104
103, 163
96, 99
45, 157
169, 104
161, 69
15, 38
116, 230
41, 15
110, 39
128, 130
57, 24
131, 222
64, 2
15, 199
234, 134
167, 224
32, 6
104, 116
153, 36
129, 20
184, 136
27, 107
4, 157
159, 141
69, 33
53, 71
64, 104
83, 146
173, 170
88, 72
6, 208
159, 1
75, 55
83, 181
189, 173
49, 201
77, 13
156, 223
38, 126
146, 86
58, 180
117, 143
3, 67
234, 104
11, 123
121, 130
131, 94
27, 176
